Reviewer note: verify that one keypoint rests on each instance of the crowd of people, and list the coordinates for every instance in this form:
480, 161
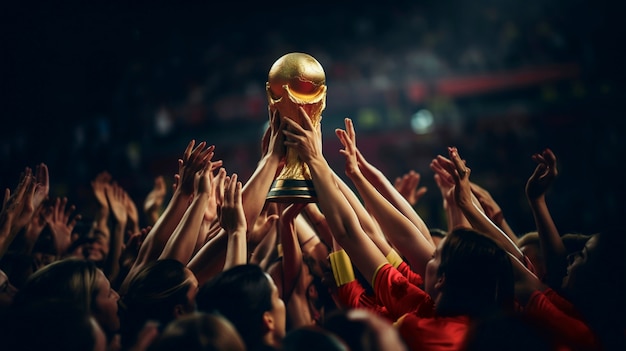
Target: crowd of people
211, 264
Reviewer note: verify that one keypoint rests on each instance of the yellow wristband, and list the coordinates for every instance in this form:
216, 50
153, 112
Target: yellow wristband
342, 267
394, 258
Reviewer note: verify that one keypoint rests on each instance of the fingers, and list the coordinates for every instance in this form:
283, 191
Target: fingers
307, 124
350, 130
188, 150
459, 165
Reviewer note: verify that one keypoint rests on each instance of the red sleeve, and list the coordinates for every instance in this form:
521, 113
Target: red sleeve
399, 296
561, 303
353, 295
413, 277
565, 329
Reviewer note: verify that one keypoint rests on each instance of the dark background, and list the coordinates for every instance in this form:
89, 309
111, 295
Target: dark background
95, 86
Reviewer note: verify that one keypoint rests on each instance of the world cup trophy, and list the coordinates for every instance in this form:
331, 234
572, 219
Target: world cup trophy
296, 80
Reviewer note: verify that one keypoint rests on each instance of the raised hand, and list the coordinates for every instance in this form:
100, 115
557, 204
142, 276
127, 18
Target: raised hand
262, 226
62, 223
99, 185
117, 198
273, 139
348, 140
42, 184
544, 174
231, 214
18, 208
305, 139
459, 173
194, 160
408, 186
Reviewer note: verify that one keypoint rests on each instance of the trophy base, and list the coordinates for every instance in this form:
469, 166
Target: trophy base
292, 191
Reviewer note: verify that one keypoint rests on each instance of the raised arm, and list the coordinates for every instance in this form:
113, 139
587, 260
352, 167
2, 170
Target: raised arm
493, 210
256, 188
401, 231
454, 216
116, 196
552, 247
457, 168
181, 244
386, 188
233, 221
408, 187
193, 160
287, 272
17, 210
339, 214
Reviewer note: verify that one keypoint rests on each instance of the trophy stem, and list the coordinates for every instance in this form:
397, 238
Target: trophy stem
292, 191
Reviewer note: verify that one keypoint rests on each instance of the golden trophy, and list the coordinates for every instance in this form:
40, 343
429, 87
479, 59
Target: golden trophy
296, 79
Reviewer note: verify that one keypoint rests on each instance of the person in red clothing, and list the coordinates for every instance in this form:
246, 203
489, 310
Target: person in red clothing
562, 326
469, 273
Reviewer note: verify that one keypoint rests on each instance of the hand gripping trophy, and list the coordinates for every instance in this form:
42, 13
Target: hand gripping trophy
296, 79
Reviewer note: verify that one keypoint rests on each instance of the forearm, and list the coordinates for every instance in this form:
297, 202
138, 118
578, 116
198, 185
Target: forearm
367, 223
236, 250
550, 241
255, 190
162, 230
400, 231
455, 217
389, 192
210, 259
343, 221
112, 263
182, 243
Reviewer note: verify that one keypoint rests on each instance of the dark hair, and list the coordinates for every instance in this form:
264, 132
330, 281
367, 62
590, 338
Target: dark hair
199, 332
478, 275
355, 333
153, 294
313, 338
242, 294
600, 293
437, 232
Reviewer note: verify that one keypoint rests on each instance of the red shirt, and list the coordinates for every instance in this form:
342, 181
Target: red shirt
414, 310
553, 313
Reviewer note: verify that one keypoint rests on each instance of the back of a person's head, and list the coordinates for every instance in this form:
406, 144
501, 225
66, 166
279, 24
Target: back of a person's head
437, 234
71, 279
599, 290
312, 338
153, 294
528, 238
199, 332
478, 275
242, 294
574, 242
51, 324
364, 330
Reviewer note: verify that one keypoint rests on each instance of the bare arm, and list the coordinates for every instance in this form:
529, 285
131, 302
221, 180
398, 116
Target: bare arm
401, 231
339, 214
463, 195
551, 243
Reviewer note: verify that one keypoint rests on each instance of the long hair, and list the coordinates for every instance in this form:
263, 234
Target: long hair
242, 294
478, 275
69, 279
153, 294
